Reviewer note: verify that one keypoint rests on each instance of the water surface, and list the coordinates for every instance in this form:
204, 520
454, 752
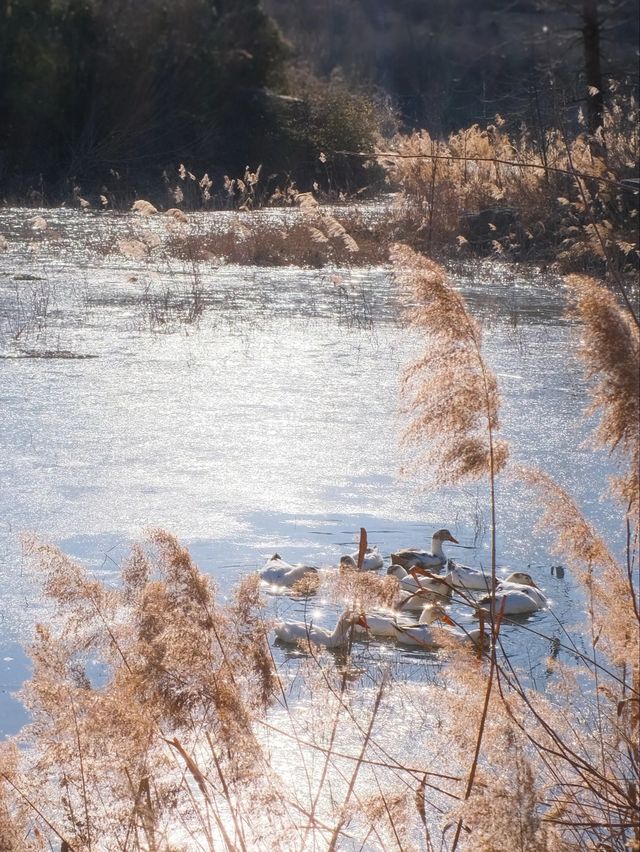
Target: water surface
266, 422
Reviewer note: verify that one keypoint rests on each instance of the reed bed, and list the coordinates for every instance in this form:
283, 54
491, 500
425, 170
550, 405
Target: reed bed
548, 196
248, 241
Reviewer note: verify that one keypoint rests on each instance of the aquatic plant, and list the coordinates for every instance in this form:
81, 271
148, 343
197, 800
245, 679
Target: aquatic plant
580, 777
123, 750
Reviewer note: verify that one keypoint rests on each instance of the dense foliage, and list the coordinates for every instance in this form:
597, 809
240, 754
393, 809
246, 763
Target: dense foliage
114, 94
99, 92
450, 63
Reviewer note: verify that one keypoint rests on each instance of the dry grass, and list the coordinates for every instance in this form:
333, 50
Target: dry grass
250, 241
112, 750
515, 194
610, 349
449, 393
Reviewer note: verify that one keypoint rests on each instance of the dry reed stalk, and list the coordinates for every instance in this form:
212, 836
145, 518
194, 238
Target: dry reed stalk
450, 395
563, 203
605, 579
610, 350
176, 665
595, 767
453, 401
356, 770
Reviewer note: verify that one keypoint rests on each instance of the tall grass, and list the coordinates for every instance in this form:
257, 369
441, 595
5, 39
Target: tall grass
558, 198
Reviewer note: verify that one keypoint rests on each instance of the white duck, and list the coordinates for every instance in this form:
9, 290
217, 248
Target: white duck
464, 577
421, 635
381, 624
296, 631
416, 600
516, 578
280, 573
473, 636
434, 558
372, 559
516, 595
418, 579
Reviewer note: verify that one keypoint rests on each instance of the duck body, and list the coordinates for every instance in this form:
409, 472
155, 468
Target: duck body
515, 598
422, 634
410, 557
381, 625
292, 632
280, 573
415, 601
372, 560
408, 582
473, 636
420, 580
515, 580
464, 577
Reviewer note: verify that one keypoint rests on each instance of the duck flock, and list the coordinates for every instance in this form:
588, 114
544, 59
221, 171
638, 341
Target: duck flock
427, 584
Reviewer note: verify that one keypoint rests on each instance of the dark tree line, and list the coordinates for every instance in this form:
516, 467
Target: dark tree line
116, 92
449, 63
115, 86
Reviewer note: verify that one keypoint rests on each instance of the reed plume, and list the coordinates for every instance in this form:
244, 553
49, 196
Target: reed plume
613, 607
594, 767
453, 401
14, 818
610, 349
450, 394
362, 589
162, 733
563, 202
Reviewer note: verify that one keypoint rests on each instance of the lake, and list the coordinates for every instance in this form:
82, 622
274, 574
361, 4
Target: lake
259, 415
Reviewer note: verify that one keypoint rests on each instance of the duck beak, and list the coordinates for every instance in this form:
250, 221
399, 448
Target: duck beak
454, 540
448, 620
362, 621
418, 569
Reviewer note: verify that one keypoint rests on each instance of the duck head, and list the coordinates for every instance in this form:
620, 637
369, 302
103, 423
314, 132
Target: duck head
397, 571
444, 535
434, 612
522, 578
348, 562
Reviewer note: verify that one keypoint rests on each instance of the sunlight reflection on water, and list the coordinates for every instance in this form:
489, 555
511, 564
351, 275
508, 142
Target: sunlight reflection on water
270, 424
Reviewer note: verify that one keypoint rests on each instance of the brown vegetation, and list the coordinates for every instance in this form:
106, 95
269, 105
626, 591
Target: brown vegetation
522, 195
258, 242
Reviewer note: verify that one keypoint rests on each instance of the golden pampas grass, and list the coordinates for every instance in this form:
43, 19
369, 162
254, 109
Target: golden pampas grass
143, 208
607, 582
178, 215
449, 393
610, 348
322, 226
